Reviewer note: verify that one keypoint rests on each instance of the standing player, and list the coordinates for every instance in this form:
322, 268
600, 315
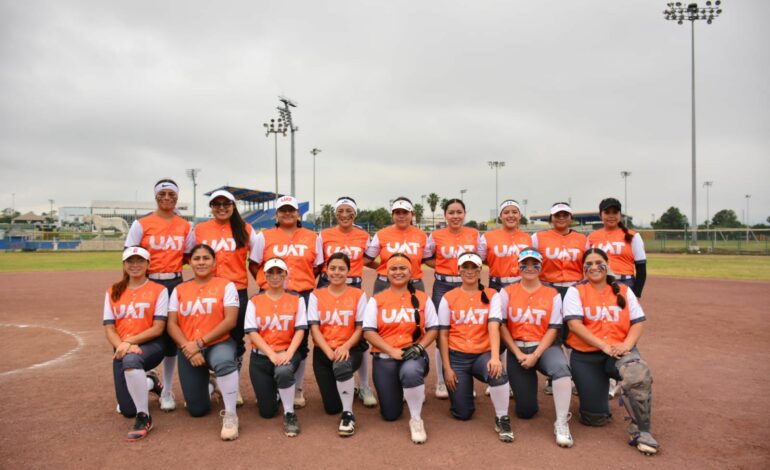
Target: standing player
533, 318
232, 239
501, 246
469, 340
443, 248
169, 239
335, 315
276, 322
201, 314
400, 323
401, 237
135, 312
605, 321
345, 237
302, 252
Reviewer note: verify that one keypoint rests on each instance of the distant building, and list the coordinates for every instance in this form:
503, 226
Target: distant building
29, 218
128, 210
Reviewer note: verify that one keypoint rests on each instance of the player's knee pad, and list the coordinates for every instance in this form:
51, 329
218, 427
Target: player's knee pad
343, 370
284, 376
636, 375
637, 392
593, 419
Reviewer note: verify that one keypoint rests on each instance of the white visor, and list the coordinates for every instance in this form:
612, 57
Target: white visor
275, 263
136, 251
561, 207
469, 257
508, 203
166, 185
402, 204
346, 202
222, 193
286, 201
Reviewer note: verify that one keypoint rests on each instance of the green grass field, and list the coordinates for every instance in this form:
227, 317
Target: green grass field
695, 266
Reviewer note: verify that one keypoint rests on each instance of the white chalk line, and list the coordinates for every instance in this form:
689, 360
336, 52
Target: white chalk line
50, 362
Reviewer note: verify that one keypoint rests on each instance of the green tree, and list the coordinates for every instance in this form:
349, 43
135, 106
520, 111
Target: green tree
472, 224
326, 217
418, 212
726, 218
432, 203
523, 221
671, 219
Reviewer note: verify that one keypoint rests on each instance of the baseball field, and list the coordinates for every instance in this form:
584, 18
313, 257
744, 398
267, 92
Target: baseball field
706, 341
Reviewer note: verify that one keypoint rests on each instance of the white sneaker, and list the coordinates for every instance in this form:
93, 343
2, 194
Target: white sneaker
614, 387
417, 429
229, 426
239, 399
441, 391
561, 430
299, 398
367, 397
167, 402
486, 391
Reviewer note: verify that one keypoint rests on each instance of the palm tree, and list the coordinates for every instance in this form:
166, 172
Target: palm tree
433, 202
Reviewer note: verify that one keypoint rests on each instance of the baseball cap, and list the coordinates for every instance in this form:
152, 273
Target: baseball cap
469, 257
222, 193
530, 252
561, 207
275, 263
402, 204
609, 202
136, 251
286, 201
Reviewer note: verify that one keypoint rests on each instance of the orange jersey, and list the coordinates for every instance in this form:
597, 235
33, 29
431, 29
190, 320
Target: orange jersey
600, 313
500, 250
231, 261
528, 315
447, 246
201, 307
622, 255
336, 317
353, 244
166, 240
562, 255
467, 318
276, 321
301, 250
136, 309
411, 242
391, 315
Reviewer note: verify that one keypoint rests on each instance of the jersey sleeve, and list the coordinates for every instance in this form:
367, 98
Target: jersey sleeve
503, 305
573, 307
161, 306
430, 248
443, 314
431, 318
637, 248
556, 320
370, 315
636, 314
373, 249
312, 310
107, 317
258, 250
534, 241
361, 309
319, 251
135, 234
495, 309
300, 321
252, 244
250, 321
231, 296
481, 247
189, 242
173, 302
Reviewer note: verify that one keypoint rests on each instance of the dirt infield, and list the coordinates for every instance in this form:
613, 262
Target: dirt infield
706, 341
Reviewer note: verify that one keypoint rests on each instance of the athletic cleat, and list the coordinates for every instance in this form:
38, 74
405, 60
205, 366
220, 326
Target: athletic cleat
117, 408
548, 389
441, 391
561, 430
290, 424
239, 399
142, 425
367, 397
417, 430
229, 426
486, 391
167, 402
299, 398
157, 387
503, 429
347, 424
614, 388
644, 443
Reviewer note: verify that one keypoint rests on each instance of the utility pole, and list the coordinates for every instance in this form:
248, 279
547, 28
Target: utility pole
625, 175
496, 165
314, 152
192, 173
285, 113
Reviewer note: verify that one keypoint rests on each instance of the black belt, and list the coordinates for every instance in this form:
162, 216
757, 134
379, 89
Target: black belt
385, 279
450, 279
350, 280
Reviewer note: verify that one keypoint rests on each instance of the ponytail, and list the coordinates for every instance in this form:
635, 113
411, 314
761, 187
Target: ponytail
416, 304
238, 227
616, 290
484, 297
119, 287
628, 236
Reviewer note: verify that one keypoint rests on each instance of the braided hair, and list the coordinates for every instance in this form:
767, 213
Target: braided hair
611, 279
628, 237
415, 302
484, 296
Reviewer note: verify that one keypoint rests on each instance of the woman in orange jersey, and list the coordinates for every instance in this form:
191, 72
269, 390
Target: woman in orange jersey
302, 252
624, 247
469, 319
443, 247
335, 315
345, 237
533, 317
232, 239
399, 323
500, 247
605, 321
201, 314
276, 322
401, 237
135, 312
169, 239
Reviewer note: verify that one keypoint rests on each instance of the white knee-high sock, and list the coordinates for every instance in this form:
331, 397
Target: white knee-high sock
287, 398
346, 390
562, 394
228, 385
363, 371
149, 383
299, 375
439, 368
136, 382
169, 366
414, 397
499, 396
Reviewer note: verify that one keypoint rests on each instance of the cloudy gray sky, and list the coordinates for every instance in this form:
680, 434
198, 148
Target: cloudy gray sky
100, 98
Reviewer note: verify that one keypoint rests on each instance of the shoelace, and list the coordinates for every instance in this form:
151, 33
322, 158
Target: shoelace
505, 425
563, 427
418, 425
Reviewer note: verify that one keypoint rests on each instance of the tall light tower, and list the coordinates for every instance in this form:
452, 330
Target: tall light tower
314, 152
286, 115
625, 175
192, 173
707, 185
51, 201
680, 13
275, 127
496, 165
462, 193
525, 201
748, 196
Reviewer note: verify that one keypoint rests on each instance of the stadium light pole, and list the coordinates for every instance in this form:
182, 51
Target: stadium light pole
525, 201
275, 127
285, 113
51, 201
192, 173
625, 175
707, 185
496, 165
748, 196
681, 12
314, 152
462, 192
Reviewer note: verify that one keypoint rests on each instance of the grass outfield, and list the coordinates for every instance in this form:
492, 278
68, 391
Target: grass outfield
697, 266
